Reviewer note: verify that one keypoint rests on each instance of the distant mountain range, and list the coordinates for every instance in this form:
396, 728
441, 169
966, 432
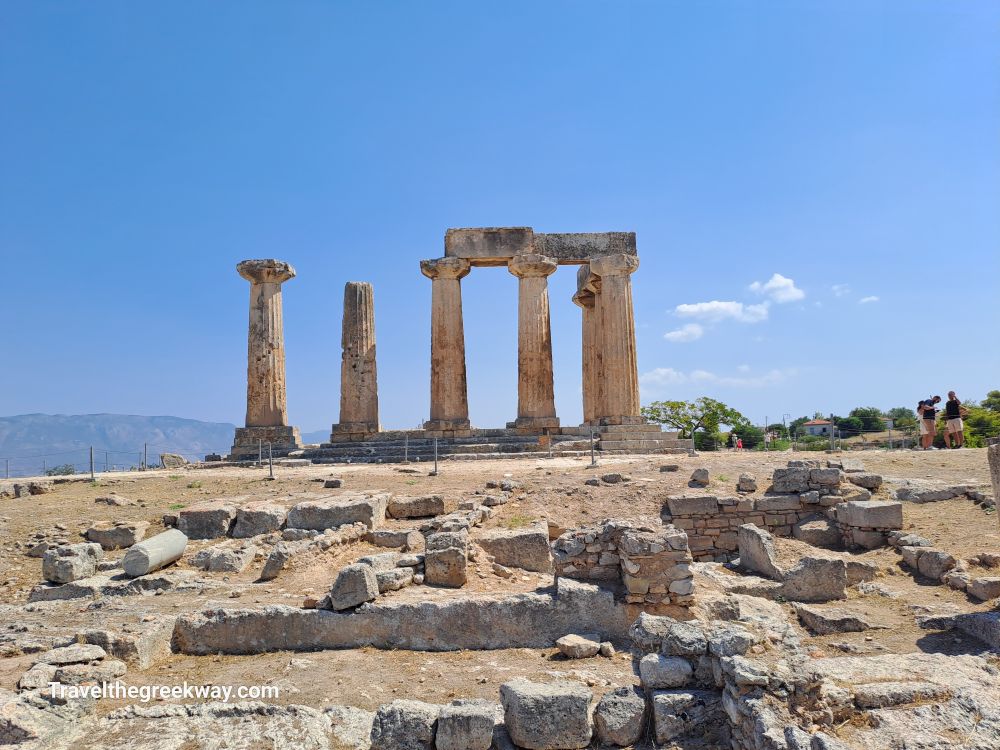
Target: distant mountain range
32, 443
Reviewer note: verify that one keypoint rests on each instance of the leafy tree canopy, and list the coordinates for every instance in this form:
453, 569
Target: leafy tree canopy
992, 401
704, 414
870, 416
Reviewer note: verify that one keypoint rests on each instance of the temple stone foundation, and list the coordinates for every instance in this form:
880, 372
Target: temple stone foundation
267, 410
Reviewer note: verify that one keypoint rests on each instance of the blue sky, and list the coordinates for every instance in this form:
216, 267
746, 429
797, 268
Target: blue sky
851, 148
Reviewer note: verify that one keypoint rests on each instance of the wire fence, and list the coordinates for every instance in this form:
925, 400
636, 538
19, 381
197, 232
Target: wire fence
89, 459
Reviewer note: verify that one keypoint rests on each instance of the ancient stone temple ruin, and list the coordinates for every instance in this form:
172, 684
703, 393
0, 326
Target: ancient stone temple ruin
611, 407
267, 412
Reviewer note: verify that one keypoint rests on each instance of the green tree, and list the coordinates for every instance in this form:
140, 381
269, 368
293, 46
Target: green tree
903, 417
61, 470
871, 418
992, 401
795, 426
703, 414
849, 426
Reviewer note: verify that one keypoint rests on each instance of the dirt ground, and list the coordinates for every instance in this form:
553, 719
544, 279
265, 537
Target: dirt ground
550, 488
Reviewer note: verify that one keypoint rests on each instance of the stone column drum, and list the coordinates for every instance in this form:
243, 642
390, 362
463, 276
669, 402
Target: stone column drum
449, 390
620, 370
267, 411
586, 299
358, 377
536, 407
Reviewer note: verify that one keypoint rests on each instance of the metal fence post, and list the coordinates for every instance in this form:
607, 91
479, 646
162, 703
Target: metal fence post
435, 456
270, 461
593, 456
92, 463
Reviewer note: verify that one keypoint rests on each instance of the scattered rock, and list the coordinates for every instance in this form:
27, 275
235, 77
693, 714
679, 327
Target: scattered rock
579, 646
620, 717
355, 584
658, 672
823, 621
700, 478
71, 562
746, 483
404, 725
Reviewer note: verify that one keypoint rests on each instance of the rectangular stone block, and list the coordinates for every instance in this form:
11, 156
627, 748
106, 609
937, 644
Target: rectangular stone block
209, 520
772, 503
791, 480
333, 511
420, 507
871, 514
685, 505
521, 548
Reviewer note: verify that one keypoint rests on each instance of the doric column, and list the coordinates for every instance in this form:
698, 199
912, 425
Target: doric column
586, 298
358, 378
449, 391
267, 411
536, 407
620, 371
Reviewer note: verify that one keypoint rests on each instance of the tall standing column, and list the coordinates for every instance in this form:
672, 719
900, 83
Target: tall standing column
267, 411
358, 377
449, 389
586, 298
536, 407
617, 323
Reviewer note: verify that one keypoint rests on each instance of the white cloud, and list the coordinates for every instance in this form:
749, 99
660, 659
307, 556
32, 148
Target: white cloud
779, 288
656, 380
684, 334
866, 300
662, 376
717, 310
840, 290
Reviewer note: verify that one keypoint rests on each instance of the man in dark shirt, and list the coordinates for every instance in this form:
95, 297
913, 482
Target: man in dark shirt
928, 421
954, 431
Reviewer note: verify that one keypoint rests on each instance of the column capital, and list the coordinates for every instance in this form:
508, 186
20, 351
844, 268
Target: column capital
584, 298
531, 265
445, 268
265, 271
614, 265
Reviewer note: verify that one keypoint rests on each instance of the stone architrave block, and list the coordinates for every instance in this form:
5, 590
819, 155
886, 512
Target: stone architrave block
526, 548
261, 517
690, 505
871, 514
208, 520
331, 512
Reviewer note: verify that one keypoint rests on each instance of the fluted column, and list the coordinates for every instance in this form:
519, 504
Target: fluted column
536, 407
620, 371
358, 376
449, 390
267, 410
586, 299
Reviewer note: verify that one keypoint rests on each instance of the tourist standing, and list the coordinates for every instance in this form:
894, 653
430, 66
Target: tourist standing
954, 431
928, 421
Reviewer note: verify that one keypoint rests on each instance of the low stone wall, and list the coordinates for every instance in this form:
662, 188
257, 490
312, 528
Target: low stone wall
712, 522
533, 620
652, 560
805, 489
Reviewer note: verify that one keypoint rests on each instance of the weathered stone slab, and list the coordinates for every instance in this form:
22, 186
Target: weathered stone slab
404, 725
355, 584
259, 517
224, 559
423, 506
208, 520
407, 539
139, 645
526, 548
331, 512
658, 672
71, 562
818, 531
777, 502
826, 620
119, 536
575, 646
350, 728
446, 559
620, 717
876, 514
685, 505
468, 726
552, 716
530, 620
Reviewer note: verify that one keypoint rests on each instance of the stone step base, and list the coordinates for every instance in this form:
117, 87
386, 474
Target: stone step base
642, 446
